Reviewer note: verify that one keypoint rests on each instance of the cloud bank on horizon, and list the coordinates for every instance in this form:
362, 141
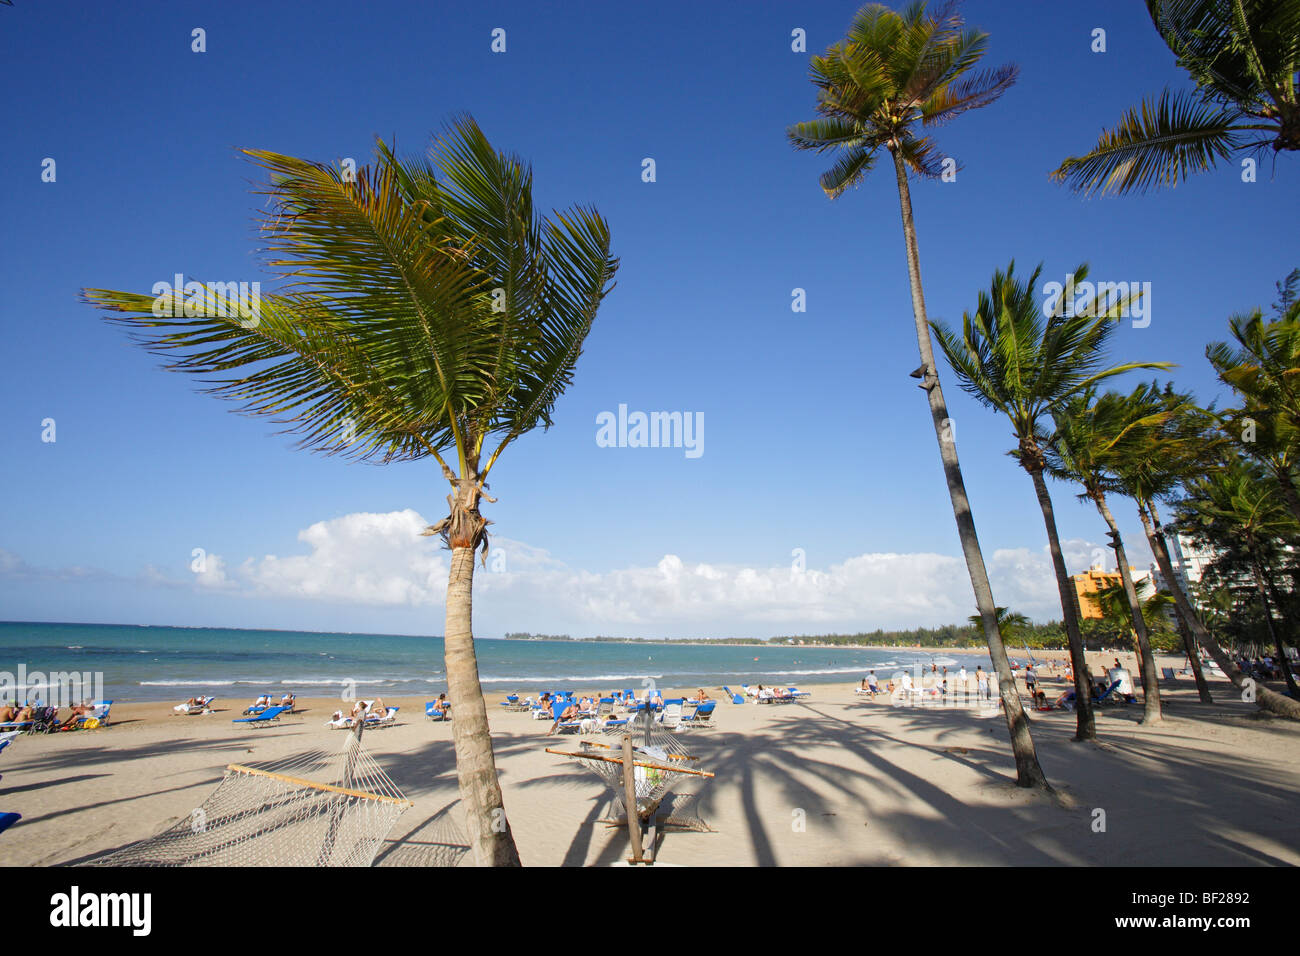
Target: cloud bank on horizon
381, 560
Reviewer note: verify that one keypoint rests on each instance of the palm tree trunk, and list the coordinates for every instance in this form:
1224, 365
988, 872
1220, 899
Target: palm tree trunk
1085, 727
1028, 771
1150, 684
1265, 588
1184, 628
1193, 660
487, 828
1264, 698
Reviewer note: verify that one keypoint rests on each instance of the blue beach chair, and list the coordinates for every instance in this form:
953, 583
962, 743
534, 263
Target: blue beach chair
735, 698
268, 716
8, 819
432, 711
99, 712
701, 717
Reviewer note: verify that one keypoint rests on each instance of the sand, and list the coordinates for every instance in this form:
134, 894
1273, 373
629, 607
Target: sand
833, 779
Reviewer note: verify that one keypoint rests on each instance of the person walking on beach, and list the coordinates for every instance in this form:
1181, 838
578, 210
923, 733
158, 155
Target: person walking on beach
981, 682
1031, 680
873, 684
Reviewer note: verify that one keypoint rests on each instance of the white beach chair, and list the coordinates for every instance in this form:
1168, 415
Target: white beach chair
671, 716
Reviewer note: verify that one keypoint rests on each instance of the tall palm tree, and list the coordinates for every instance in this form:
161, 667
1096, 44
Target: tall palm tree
1264, 370
893, 75
1233, 505
1243, 56
1174, 453
1015, 361
1086, 431
427, 308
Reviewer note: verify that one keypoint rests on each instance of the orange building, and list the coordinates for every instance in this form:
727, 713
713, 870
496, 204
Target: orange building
1095, 579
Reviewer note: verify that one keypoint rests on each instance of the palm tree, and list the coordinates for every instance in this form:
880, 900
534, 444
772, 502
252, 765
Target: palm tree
1171, 454
1087, 430
1010, 623
891, 75
427, 309
1243, 56
1263, 370
1014, 362
1233, 505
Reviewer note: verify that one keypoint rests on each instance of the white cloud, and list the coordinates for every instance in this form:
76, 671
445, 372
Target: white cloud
381, 560
360, 558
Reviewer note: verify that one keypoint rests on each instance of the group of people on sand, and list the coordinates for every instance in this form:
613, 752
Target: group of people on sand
11, 713
986, 686
589, 707
361, 709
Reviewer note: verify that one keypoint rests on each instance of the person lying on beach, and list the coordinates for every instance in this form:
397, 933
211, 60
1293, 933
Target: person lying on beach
569, 713
377, 709
8, 713
701, 696
78, 710
23, 714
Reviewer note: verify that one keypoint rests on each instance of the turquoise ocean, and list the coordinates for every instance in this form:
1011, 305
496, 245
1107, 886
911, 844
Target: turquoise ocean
143, 663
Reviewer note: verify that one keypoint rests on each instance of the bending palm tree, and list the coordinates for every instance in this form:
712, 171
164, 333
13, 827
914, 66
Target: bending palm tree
1174, 453
1086, 432
1011, 361
1243, 56
427, 309
890, 75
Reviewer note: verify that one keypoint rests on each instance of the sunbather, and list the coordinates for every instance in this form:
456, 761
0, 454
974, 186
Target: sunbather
78, 710
569, 713
440, 706
377, 709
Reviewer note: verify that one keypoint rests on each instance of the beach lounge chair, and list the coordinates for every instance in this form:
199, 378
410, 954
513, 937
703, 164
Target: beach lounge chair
1168, 673
374, 721
16, 726
1106, 695
8, 737
701, 716
256, 707
565, 726
8, 819
672, 715
268, 716
203, 706
796, 693
735, 698
290, 701
434, 712
98, 716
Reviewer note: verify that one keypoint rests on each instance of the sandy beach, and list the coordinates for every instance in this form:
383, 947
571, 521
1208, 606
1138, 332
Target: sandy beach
833, 779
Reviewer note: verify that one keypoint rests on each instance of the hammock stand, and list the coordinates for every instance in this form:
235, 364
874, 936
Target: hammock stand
641, 778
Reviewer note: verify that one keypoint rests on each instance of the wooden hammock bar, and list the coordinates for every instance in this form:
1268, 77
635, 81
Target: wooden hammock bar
638, 763
313, 785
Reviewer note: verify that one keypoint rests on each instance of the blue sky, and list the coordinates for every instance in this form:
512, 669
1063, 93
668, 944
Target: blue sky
815, 438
